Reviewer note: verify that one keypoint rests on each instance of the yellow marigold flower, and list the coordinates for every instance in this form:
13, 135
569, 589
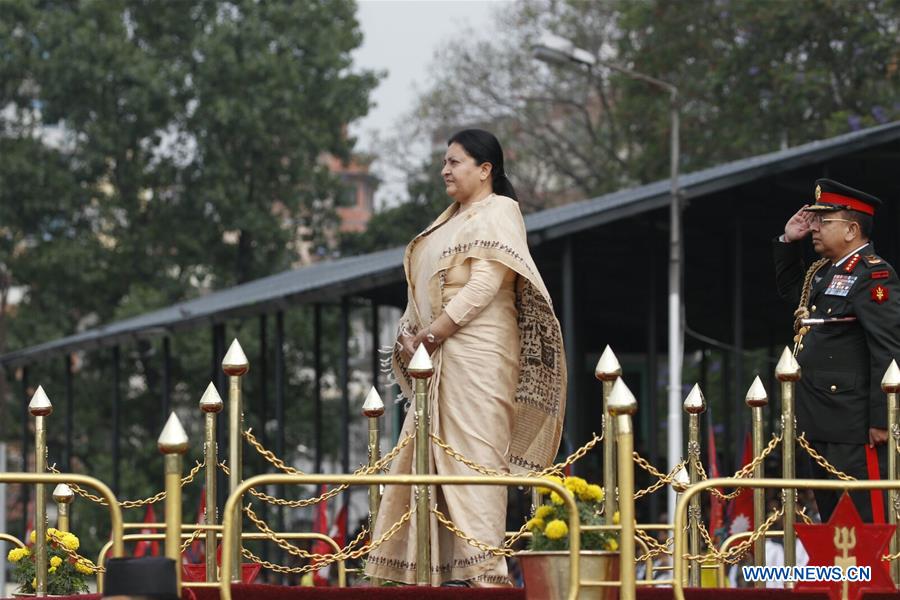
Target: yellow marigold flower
51, 570
544, 511
82, 567
52, 531
55, 561
616, 518
612, 544
535, 523
556, 529
34, 583
544, 491
556, 499
16, 554
33, 536
70, 541
591, 493
576, 485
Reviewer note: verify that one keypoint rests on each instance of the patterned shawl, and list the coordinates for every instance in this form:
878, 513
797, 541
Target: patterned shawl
494, 230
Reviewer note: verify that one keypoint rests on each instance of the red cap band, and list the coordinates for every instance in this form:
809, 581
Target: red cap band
851, 203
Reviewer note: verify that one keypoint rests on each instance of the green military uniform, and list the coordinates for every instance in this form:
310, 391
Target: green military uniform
839, 395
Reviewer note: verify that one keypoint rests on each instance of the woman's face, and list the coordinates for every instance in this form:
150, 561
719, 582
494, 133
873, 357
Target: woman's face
462, 177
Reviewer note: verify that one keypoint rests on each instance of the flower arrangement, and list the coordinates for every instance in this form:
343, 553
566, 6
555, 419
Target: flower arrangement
550, 523
65, 575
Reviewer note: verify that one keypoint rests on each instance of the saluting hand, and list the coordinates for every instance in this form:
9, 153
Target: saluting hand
798, 226
877, 436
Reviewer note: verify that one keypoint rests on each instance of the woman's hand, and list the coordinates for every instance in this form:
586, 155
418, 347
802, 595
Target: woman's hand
407, 344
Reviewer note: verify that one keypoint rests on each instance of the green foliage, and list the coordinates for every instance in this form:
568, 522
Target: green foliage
549, 524
152, 152
752, 77
64, 577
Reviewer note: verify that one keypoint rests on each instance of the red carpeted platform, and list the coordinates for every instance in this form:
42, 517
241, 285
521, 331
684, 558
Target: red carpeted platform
272, 592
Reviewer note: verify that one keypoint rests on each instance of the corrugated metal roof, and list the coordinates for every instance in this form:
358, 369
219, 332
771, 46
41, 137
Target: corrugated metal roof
357, 274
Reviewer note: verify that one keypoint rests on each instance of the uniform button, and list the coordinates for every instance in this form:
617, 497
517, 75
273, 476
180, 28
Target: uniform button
829, 311
833, 388
813, 308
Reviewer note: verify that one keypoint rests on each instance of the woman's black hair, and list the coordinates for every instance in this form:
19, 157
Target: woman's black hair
484, 147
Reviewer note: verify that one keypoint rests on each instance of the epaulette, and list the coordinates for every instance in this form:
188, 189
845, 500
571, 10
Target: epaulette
871, 260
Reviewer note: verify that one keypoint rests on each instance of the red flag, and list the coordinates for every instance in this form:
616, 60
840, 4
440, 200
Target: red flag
741, 509
320, 525
196, 554
338, 530
716, 504
147, 546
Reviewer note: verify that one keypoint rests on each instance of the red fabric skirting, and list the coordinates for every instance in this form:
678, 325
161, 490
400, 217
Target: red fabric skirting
273, 592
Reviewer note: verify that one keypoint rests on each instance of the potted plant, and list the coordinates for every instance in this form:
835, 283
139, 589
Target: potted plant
546, 562
65, 576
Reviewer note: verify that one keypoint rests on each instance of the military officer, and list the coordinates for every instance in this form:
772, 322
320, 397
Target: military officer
840, 405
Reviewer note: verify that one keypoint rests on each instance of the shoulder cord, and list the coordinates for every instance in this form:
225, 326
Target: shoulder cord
802, 311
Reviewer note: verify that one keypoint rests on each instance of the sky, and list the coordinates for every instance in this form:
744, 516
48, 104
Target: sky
401, 37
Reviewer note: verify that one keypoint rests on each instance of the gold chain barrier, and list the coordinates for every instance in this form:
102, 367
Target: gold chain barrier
801, 440
303, 503
269, 455
342, 554
494, 550
127, 504
77, 558
231, 543
551, 470
765, 483
663, 478
745, 472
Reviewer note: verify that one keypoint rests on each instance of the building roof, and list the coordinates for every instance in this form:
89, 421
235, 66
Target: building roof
359, 274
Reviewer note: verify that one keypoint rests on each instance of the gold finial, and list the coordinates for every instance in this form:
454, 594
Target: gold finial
211, 402
173, 439
421, 366
756, 395
235, 362
787, 368
695, 403
608, 367
373, 406
621, 401
40, 404
681, 480
891, 380
63, 494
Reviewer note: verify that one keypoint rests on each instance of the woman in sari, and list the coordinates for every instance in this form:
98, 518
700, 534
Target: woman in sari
497, 396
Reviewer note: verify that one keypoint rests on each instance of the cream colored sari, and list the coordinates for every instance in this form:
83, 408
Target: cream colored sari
497, 395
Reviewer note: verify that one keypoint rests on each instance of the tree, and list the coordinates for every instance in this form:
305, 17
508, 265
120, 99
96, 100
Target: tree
753, 76
153, 151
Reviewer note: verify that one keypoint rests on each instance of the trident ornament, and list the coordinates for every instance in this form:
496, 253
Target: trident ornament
845, 541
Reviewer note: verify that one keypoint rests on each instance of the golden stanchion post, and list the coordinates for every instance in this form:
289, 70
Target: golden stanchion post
890, 384
40, 408
757, 399
63, 496
421, 368
173, 442
608, 370
373, 408
621, 406
211, 404
694, 406
681, 481
787, 371
235, 365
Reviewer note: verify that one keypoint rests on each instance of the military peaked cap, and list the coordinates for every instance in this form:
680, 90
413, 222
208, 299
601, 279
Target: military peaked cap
831, 196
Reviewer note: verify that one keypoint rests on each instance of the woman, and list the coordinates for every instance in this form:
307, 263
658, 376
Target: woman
478, 304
